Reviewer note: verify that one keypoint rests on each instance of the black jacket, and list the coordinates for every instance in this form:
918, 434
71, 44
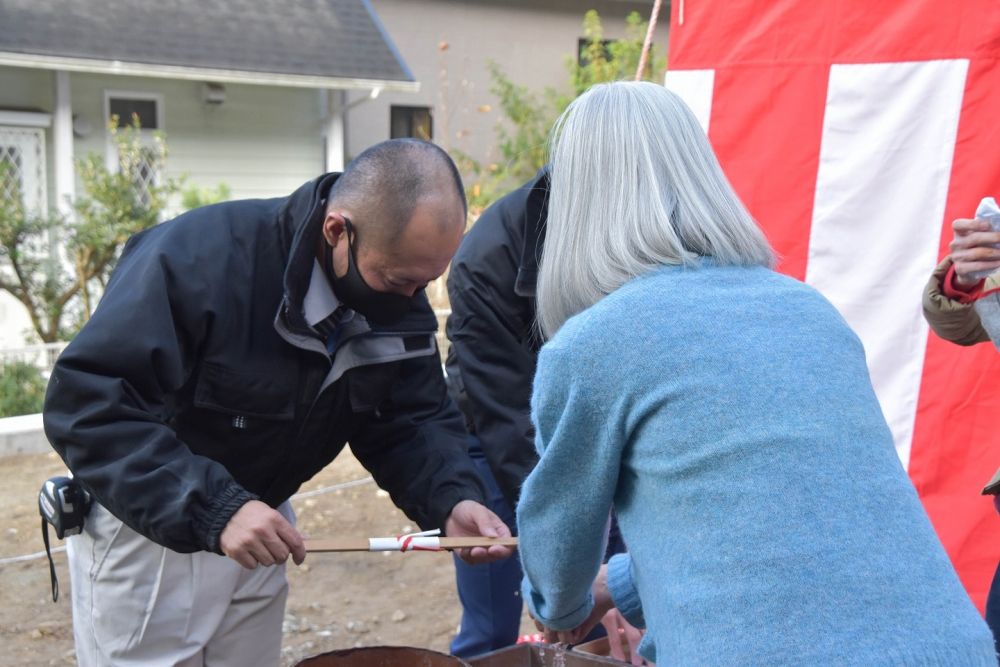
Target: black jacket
494, 340
197, 385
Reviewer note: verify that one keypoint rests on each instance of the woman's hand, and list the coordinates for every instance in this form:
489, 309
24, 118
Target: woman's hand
622, 634
602, 605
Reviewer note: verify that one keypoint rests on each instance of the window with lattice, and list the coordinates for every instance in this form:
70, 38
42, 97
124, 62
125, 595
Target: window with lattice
22, 168
11, 164
142, 169
146, 109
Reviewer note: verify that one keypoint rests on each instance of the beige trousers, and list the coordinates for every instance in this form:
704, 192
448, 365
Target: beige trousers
137, 603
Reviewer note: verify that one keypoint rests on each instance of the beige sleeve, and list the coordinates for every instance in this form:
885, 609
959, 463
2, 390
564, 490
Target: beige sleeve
951, 320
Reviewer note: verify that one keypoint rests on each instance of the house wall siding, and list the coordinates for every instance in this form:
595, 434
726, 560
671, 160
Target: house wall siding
261, 141
25, 89
529, 39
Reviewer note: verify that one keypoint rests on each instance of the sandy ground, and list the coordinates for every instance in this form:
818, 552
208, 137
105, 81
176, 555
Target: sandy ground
336, 600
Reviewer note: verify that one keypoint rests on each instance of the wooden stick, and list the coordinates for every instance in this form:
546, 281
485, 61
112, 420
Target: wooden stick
647, 44
446, 543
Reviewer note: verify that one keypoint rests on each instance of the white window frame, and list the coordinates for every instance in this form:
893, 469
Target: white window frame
25, 118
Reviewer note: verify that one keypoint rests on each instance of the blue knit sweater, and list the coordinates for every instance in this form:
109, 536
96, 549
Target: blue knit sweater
728, 415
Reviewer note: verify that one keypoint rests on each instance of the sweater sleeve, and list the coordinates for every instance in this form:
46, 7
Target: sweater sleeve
566, 500
623, 591
951, 319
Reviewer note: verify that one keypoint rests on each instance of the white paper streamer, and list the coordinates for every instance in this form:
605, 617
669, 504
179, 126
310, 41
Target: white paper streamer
424, 541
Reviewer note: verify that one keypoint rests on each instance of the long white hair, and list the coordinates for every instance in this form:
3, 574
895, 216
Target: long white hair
635, 185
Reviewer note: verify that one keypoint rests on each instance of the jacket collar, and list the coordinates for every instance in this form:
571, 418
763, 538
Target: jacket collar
535, 213
300, 221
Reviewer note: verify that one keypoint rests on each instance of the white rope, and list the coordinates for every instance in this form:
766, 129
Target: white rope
298, 496
20, 559
335, 487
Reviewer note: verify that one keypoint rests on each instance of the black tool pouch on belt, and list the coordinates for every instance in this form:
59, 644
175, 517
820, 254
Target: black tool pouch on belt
64, 504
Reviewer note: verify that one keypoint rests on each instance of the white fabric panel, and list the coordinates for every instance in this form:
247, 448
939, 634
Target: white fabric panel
695, 87
885, 163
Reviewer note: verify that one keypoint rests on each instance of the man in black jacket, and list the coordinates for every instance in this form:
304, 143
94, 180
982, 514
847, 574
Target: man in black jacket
494, 341
236, 350
491, 365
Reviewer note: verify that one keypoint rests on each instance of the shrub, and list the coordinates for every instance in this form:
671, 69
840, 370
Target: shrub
22, 389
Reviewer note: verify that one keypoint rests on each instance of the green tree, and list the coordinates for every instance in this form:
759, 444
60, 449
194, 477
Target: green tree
195, 197
610, 60
56, 267
527, 116
27, 261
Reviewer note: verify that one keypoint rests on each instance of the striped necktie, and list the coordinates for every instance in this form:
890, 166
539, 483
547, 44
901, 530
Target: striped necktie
329, 328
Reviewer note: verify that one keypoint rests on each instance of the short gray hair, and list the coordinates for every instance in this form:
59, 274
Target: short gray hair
387, 181
635, 186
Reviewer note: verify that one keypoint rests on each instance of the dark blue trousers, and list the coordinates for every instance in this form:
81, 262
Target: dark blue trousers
993, 609
491, 594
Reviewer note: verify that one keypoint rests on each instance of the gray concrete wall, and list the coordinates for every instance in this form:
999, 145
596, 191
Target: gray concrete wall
530, 40
23, 435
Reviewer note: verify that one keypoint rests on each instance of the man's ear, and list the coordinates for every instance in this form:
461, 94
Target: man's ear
334, 228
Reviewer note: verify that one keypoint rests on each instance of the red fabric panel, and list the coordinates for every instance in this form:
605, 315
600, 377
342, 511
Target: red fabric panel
725, 32
766, 127
956, 442
771, 58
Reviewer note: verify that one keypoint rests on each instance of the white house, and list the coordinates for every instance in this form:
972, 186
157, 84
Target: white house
263, 96
249, 94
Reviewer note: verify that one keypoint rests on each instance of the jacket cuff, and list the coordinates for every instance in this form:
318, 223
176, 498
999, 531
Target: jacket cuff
220, 511
957, 292
623, 591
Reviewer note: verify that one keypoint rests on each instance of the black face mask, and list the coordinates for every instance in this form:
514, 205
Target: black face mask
355, 293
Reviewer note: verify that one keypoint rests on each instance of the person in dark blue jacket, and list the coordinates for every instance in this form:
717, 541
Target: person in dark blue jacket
490, 364
490, 368
236, 350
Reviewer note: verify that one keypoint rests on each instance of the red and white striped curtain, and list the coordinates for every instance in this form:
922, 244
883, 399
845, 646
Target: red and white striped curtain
856, 131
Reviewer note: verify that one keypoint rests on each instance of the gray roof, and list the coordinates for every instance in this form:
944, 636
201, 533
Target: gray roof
332, 39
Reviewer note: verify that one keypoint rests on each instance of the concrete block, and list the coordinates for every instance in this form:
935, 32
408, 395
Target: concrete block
23, 435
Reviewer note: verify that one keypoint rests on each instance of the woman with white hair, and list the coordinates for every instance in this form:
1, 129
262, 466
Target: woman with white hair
727, 414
